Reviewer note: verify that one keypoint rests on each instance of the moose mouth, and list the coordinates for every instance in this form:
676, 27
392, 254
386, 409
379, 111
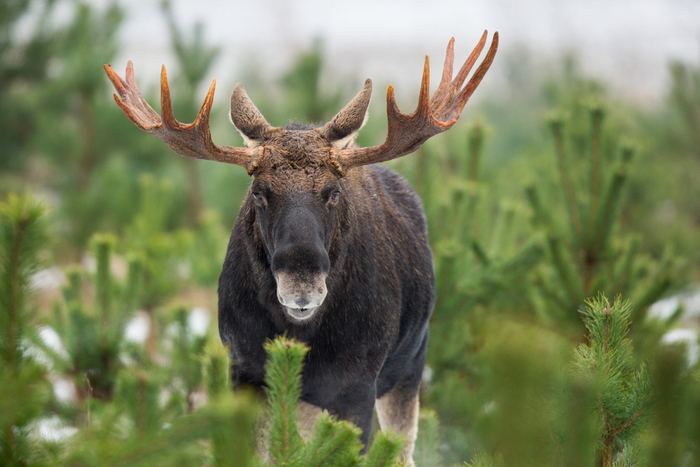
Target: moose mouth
300, 296
300, 313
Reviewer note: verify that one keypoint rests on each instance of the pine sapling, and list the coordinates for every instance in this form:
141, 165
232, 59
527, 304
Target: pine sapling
23, 235
623, 386
188, 356
333, 443
24, 387
92, 331
283, 377
671, 438
475, 262
216, 370
585, 257
427, 451
139, 392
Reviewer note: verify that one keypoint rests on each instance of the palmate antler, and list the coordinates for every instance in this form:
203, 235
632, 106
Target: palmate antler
192, 140
406, 133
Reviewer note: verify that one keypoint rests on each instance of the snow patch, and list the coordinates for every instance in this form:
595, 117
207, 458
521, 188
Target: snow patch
138, 329
689, 301
64, 389
48, 279
689, 337
198, 321
52, 429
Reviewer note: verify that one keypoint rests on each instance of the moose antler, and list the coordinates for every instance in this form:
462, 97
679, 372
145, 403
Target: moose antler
188, 140
406, 133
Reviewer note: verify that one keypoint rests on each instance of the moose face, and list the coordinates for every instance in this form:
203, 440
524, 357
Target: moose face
296, 197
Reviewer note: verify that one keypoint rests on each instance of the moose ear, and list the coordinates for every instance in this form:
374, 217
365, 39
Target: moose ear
247, 118
343, 129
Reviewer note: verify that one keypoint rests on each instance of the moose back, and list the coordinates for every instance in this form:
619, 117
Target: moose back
327, 248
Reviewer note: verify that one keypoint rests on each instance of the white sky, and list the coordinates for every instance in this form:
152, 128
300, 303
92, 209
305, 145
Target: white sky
626, 43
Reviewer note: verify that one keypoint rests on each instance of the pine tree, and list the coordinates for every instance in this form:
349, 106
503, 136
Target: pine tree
188, 356
674, 423
588, 256
542, 408
93, 333
333, 443
427, 451
623, 387
149, 233
483, 251
475, 261
23, 66
24, 392
71, 124
685, 98
89, 42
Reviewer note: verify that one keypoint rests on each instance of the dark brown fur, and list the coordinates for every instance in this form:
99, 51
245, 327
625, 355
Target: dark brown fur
370, 334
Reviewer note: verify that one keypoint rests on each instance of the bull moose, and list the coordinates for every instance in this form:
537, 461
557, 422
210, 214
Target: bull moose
328, 248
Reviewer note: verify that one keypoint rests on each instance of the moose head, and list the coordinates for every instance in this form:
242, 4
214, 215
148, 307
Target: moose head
300, 189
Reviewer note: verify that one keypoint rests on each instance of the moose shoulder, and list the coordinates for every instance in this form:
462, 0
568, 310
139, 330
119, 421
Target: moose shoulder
327, 247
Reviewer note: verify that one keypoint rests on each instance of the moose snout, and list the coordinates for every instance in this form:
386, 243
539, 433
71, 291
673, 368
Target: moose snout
301, 294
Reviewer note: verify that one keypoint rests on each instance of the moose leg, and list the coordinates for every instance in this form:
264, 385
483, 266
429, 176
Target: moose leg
397, 410
355, 404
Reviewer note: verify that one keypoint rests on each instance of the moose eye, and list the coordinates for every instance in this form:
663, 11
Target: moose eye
257, 196
334, 197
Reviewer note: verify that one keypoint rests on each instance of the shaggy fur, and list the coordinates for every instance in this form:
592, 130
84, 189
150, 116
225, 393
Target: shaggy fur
370, 334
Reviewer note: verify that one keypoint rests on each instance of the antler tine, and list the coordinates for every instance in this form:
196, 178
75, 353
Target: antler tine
129, 99
205, 110
166, 103
423, 98
118, 83
479, 73
467, 67
138, 99
448, 66
445, 94
191, 140
406, 133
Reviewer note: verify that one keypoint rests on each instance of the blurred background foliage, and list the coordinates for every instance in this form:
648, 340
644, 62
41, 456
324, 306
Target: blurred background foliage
544, 196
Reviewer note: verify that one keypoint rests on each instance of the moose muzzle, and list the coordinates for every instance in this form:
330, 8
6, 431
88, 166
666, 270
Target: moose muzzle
301, 294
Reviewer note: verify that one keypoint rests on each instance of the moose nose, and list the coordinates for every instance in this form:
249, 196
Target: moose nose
300, 291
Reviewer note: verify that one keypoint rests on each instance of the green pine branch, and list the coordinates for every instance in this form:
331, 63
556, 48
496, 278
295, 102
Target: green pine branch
24, 390
623, 386
283, 378
333, 443
23, 235
587, 257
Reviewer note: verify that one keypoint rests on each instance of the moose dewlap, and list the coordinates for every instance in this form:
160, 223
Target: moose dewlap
327, 247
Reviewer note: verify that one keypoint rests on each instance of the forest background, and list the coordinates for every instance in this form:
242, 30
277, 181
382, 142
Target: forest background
561, 208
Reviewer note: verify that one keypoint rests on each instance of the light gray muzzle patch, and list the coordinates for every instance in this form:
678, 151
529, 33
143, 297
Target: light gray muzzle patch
300, 294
